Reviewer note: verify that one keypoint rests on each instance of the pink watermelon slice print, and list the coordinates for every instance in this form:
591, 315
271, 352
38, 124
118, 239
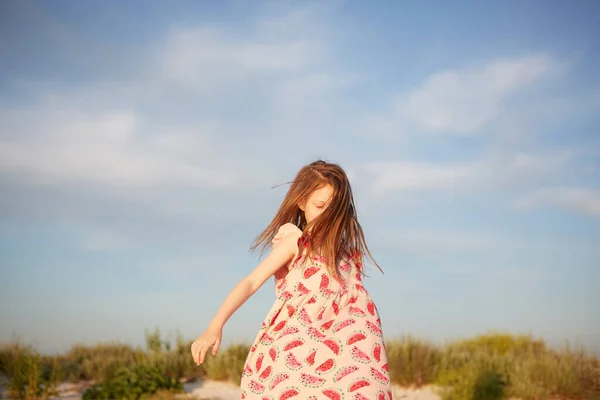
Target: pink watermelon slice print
326, 366
315, 334
273, 353
265, 374
277, 379
292, 362
379, 376
310, 360
358, 384
302, 289
332, 394
291, 310
280, 326
377, 352
333, 345
356, 337
285, 295
373, 328
290, 330
256, 387
320, 315
288, 393
304, 318
266, 339
345, 371
293, 344
358, 355
310, 271
357, 311
371, 307
311, 380
343, 324
327, 325
259, 361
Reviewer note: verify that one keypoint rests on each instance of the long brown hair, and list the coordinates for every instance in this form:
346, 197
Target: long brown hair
334, 233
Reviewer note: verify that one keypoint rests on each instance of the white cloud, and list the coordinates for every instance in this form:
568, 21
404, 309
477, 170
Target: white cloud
464, 101
461, 101
424, 241
121, 133
207, 59
112, 149
492, 172
582, 200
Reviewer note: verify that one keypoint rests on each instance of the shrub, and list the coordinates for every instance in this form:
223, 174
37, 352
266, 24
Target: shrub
463, 376
412, 362
29, 375
489, 386
228, 364
139, 382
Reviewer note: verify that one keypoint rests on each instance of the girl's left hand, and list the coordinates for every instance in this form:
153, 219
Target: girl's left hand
210, 338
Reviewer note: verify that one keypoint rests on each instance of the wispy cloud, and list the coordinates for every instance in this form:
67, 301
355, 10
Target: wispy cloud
207, 59
582, 200
495, 171
463, 101
111, 149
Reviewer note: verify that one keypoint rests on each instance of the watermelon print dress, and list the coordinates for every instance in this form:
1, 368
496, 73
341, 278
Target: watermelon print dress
322, 339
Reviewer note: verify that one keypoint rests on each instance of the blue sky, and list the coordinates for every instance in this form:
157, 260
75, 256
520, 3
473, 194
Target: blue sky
139, 144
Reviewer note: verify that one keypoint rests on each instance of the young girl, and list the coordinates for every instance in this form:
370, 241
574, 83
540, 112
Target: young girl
322, 339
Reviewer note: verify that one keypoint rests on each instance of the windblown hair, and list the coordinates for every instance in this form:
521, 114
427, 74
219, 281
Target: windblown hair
333, 234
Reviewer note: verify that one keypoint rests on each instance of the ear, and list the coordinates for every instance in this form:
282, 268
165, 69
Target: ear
302, 205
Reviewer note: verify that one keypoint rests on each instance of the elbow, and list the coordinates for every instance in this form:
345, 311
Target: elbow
251, 286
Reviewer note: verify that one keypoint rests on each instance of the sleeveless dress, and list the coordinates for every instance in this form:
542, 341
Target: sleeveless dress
322, 338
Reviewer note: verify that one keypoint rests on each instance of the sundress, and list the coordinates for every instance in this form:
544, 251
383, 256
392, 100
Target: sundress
322, 338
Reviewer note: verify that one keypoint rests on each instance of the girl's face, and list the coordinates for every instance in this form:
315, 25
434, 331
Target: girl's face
316, 203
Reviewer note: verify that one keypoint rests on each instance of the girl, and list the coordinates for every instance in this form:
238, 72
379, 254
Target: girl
322, 338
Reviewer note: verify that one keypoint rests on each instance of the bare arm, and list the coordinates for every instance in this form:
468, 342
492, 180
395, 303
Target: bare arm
279, 256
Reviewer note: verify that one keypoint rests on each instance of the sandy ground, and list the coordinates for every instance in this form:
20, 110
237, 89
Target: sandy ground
226, 391
212, 390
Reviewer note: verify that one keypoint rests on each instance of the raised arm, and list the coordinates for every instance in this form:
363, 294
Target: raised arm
280, 255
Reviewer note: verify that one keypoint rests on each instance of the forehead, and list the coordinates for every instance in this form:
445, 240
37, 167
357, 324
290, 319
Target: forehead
322, 194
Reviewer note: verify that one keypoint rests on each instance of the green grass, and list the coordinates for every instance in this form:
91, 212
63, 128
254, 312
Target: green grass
486, 367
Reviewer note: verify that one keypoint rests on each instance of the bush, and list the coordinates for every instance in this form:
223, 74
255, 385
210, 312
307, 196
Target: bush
228, 364
523, 367
489, 386
463, 376
102, 361
412, 362
140, 382
501, 344
489, 366
29, 374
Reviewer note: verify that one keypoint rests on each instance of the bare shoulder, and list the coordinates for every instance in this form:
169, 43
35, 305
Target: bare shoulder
287, 233
289, 228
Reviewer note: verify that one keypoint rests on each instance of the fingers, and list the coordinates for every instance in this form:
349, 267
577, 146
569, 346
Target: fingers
201, 347
203, 351
216, 347
194, 352
197, 347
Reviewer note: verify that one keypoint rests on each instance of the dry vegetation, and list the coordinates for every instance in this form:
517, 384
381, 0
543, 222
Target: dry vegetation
492, 366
